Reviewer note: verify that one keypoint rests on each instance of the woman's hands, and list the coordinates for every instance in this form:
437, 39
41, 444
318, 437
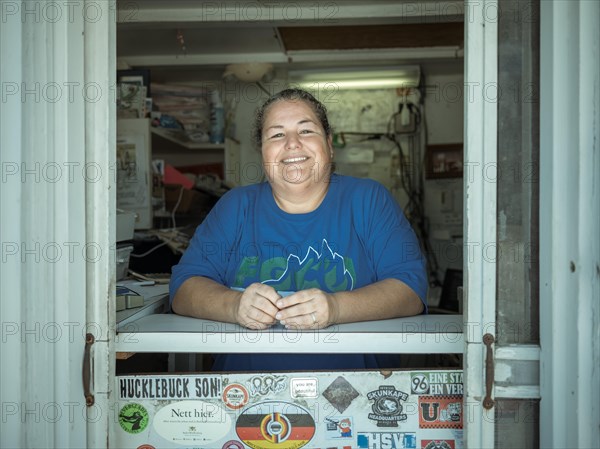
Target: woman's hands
260, 306
307, 309
256, 307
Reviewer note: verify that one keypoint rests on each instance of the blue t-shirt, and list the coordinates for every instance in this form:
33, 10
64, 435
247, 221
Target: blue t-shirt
357, 236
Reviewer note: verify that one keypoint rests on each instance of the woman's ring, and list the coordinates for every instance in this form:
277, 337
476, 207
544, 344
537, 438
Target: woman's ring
313, 317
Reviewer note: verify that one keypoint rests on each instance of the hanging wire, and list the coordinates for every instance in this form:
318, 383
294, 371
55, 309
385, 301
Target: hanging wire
181, 41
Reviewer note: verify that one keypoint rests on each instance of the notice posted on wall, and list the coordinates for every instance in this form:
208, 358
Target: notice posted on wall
324, 410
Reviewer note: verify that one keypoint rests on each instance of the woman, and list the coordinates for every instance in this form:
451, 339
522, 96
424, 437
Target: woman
341, 245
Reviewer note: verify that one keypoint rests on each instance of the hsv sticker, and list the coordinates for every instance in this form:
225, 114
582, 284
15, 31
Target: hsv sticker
386, 440
440, 412
192, 422
235, 396
133, 418
302, 387
387, 406
275, 424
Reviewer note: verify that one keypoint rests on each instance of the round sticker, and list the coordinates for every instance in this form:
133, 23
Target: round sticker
235, 396
133, 418
191, 423
275, 424
233, 445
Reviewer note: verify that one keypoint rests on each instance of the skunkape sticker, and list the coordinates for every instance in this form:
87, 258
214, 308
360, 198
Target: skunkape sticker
387, 407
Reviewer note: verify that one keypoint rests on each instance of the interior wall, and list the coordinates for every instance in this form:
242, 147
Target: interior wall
444, 114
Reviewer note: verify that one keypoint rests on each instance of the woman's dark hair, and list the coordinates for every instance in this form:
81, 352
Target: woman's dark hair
291, 94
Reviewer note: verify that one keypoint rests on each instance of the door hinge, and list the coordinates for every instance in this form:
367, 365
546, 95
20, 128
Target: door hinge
87, 370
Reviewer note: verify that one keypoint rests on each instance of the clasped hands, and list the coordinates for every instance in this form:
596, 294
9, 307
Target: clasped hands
260, 306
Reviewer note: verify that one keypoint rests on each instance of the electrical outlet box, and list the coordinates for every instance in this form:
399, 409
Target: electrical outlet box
405, 121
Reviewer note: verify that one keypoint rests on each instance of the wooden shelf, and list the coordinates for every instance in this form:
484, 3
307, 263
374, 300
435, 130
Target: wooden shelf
172, 136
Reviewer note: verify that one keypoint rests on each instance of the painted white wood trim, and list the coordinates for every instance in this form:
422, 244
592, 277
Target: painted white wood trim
429, 334
517, 392
289, 13
480, 207
42, 227
517, 352
100, 215
570, 224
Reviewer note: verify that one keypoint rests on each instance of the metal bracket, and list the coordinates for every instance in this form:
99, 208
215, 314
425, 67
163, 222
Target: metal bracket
86, 370
488, 402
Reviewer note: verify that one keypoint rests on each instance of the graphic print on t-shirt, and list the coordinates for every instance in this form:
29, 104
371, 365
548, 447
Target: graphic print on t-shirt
324, 269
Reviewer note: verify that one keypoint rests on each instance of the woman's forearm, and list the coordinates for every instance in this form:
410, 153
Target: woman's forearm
200, 297
389, 298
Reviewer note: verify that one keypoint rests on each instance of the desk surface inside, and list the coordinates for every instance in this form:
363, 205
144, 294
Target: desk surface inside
426, 334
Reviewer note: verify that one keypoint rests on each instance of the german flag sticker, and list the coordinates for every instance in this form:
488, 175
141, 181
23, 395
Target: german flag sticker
275, 425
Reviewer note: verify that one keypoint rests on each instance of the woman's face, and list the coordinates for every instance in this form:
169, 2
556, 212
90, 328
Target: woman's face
295, 149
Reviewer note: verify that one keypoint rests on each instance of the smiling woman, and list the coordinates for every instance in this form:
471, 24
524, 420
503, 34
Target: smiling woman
339, 247
296, 147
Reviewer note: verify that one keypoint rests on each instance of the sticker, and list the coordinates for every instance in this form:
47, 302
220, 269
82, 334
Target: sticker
387, 440
440, 412
304, 387
339, 427
133, 418
165, 387
437, 444
264, 385
192, 422
419, 383
232, 444
437, 383
275, 424
235, 396
340, 394
387, 406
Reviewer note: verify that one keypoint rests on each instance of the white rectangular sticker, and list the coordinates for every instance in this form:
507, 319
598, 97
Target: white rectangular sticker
303, 387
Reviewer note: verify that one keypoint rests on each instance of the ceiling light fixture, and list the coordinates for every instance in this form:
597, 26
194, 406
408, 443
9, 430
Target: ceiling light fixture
357, 77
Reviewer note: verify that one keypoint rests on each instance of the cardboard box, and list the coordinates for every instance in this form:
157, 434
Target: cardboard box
191, 200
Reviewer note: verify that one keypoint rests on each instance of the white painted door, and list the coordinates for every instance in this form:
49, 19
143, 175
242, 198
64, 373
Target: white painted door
56, 196
501, 224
